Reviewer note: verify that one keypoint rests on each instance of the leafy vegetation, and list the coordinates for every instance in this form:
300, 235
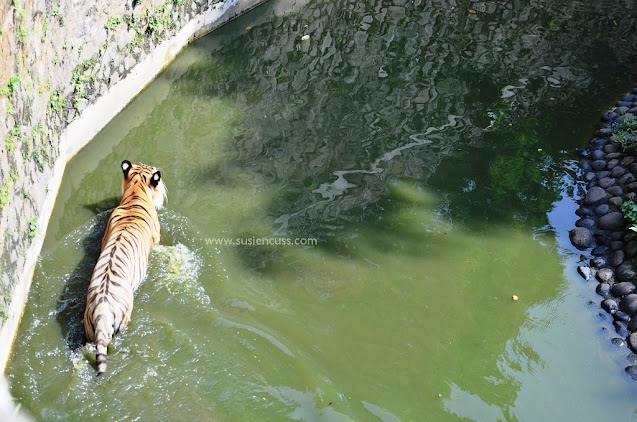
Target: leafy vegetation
629, 209
626, 132
12, 87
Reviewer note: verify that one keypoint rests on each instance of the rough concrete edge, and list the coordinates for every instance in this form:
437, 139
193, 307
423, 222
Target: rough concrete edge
82, 130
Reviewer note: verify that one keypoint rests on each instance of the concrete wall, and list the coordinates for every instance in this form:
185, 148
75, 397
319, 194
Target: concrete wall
66, 68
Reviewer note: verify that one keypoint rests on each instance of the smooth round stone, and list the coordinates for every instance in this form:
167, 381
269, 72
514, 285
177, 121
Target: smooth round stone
616, 201
605, 275
581, 238
626, 161
610, 305
606, 182
631, 358
585, 165
610, 165
626, 271
631, 187
622, 316
613, 156
598, 143
633, 168
610, 116
617, 258
599, 262
602, 209
621, 110
599, 165
626, 178
605, 132
632, 371
617, 171
598, 155
616, 245
600, 250
595, 194
623, 103
617, 341
590, 176
632, 341
630, 196
589, 223
628, 303
621, 328
615, 191
603, 289
585, 272
601, 174
623, 288
632, 324
630, 235
583, 211
611, 221
609, 148
631, 249
617, 235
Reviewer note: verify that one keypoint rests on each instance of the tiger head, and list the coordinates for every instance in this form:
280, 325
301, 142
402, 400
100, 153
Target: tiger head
147, 178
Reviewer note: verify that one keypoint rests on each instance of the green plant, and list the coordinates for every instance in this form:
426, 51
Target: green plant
629, 209
22, 34
626, 131
26, 193
56, 104
11, 88
33, 227
5, 194
9, 142
10, 109
56, 58
113, 22
629, 124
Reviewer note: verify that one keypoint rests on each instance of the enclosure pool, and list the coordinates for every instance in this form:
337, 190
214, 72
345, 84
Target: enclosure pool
356, 192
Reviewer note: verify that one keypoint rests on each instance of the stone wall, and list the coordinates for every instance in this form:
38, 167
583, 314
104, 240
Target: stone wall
66, 68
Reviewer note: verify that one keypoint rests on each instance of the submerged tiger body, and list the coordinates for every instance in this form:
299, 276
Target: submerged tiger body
132, 228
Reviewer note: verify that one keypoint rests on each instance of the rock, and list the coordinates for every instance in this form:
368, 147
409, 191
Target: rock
581, 238
615, 191
626, 178
598, 143
610, 305
598, 155
599, 165
632, 341
632, 371
602, 209
585, 272
629, 196
621, 328
623, 288
616, 245
611, 221
616, 201
617, 258
618, 341
621, 110
631, 249
589, 176
631, 187
626, 271
583, 211
585, 165
600, 250
586, 222
599, 262
610, 165
626, 161
631, 358
622, 316
610, 116
605, 275
613, 156
632, 324
601, 174
603, 289
595, 194
606, 182
628, 303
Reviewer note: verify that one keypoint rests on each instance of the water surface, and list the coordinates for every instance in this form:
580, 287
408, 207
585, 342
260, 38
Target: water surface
428, 149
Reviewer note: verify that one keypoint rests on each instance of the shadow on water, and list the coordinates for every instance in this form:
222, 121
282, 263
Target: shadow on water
72, 300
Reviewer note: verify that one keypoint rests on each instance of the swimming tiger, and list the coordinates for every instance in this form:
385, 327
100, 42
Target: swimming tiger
132, 227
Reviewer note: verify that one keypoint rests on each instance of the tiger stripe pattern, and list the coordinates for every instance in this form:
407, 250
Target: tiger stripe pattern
132, 228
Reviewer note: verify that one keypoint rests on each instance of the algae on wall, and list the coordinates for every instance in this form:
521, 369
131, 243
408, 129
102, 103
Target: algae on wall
56, 58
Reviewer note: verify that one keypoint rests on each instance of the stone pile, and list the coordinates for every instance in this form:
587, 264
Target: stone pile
610, 171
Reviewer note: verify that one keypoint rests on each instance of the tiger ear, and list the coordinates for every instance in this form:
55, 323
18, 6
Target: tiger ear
155, 179
126, 166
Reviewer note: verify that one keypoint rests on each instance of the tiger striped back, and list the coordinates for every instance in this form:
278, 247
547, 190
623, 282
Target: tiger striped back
132, 227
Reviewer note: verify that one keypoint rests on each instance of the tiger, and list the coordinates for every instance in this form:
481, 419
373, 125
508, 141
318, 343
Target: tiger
132, 228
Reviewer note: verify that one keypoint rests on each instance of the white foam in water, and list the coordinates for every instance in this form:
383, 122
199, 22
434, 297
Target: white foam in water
176, 268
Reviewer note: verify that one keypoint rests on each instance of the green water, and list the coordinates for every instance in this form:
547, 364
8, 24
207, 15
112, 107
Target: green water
426, 148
